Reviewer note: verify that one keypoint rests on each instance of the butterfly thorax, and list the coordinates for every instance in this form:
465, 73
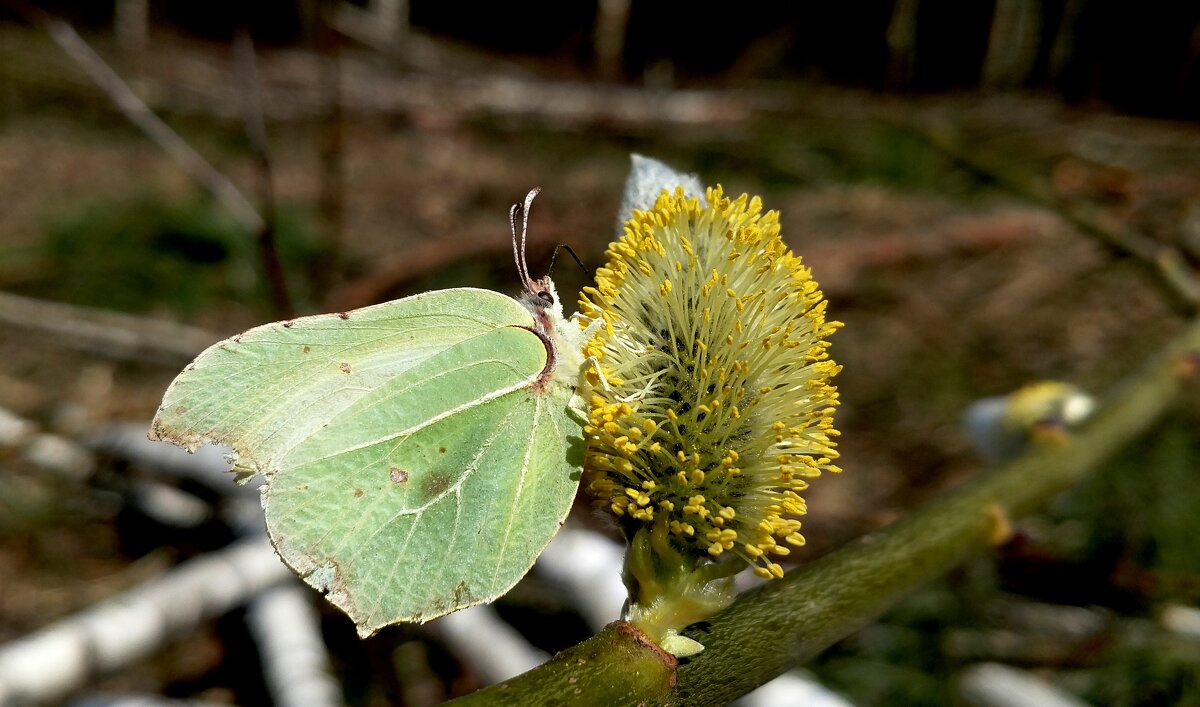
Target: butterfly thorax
563, 338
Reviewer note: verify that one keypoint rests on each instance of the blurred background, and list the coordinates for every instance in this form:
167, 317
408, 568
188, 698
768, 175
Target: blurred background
990, 194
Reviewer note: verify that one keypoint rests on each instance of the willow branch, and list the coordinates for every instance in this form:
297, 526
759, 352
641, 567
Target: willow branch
818, 605
618, 666
768, 630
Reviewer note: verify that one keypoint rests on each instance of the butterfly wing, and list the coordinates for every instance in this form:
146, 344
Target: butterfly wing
412, 468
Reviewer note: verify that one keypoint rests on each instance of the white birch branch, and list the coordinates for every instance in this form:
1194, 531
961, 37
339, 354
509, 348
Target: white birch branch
794, 688
295, 662
495, 650
1183, 620
587, 565
62, 657
284, 623
207, 466
996, 685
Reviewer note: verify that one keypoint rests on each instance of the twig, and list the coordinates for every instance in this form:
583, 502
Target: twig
611, 26
256, 135
1169, 264
123, 337
65, 36
331, 202
60, 658
820, 603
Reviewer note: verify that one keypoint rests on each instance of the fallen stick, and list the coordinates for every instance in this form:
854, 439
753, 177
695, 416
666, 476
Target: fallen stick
113, 335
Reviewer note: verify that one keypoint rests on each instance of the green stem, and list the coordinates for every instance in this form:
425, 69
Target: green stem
618, 666
770, 629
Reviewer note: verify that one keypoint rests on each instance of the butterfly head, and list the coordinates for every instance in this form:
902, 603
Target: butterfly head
539, 295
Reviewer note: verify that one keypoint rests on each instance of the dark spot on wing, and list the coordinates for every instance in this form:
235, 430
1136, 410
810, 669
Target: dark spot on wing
435, 485
288, 325
358, 493
344, 367
397, 475
462, 594
306, 349
343, 315
441, 450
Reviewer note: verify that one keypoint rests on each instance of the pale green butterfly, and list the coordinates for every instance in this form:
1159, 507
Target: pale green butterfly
419, 454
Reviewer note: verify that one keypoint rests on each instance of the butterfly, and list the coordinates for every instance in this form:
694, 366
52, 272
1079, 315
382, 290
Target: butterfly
418, 454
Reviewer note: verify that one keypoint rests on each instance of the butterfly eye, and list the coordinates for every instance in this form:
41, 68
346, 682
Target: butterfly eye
545, 296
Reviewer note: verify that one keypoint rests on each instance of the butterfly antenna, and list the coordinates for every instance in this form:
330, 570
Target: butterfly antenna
519, 250
568, 248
